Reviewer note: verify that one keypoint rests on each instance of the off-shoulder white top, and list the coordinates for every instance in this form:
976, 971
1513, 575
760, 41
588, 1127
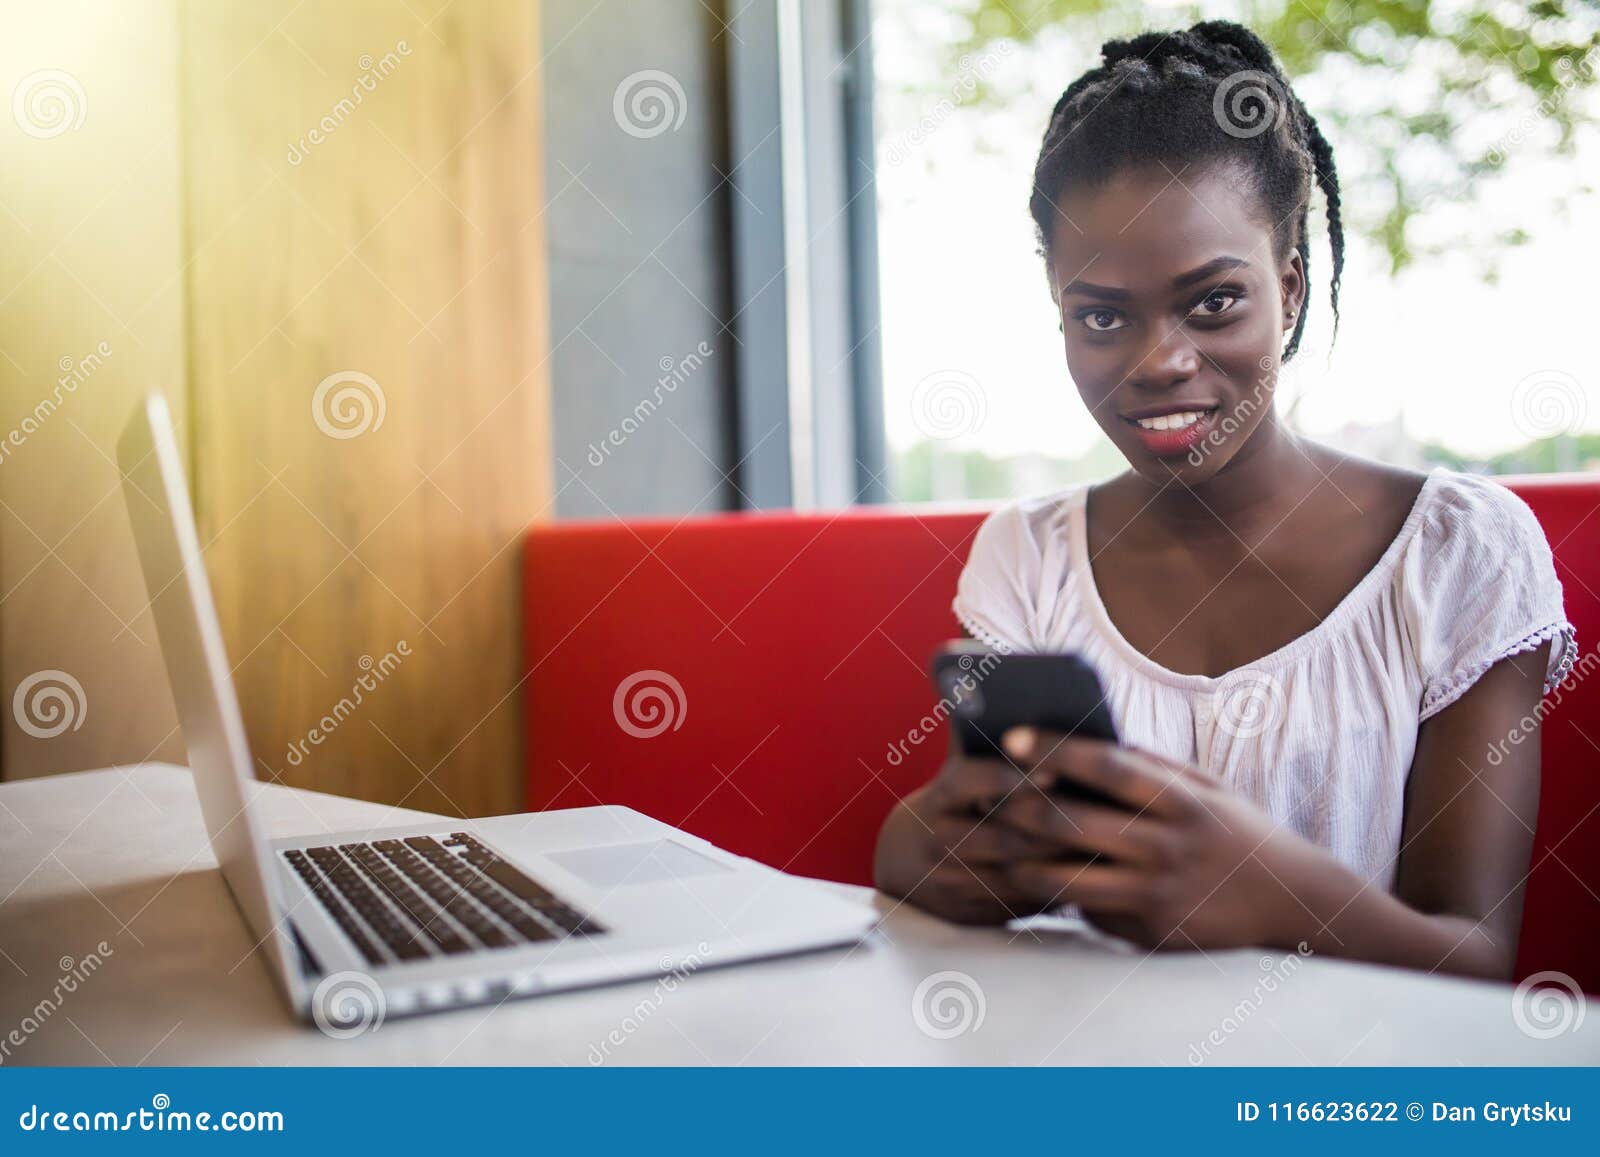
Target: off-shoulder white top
1320, 732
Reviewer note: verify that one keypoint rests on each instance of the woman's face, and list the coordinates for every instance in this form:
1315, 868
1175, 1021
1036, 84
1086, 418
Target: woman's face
1174, 310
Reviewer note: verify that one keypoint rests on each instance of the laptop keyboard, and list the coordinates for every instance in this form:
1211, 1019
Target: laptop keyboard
415, 898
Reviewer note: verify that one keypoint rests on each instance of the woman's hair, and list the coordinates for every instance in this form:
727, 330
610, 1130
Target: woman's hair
1208, 93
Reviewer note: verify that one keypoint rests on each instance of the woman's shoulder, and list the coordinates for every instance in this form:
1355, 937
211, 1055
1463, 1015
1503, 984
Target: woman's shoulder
1021, 552
1481, 585
1478, 552
1476, 514
1371, 486
1440, 509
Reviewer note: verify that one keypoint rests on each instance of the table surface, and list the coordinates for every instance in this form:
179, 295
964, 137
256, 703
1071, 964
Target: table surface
120, 856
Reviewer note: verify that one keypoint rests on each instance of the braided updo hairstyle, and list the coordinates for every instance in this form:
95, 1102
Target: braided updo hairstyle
1208, 93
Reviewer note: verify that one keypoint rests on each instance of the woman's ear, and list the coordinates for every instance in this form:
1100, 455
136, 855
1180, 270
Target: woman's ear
1292, 289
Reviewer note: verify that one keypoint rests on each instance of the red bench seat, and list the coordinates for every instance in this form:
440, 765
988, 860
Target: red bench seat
774, 695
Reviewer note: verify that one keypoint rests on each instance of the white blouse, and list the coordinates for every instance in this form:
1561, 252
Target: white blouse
1320, 733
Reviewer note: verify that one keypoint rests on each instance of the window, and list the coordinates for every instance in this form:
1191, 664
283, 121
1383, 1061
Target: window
1474, 354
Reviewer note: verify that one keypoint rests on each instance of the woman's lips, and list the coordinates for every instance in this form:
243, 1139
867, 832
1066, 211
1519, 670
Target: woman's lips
1167, 443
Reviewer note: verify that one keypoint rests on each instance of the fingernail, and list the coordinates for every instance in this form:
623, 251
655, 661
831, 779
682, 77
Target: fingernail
1018, 742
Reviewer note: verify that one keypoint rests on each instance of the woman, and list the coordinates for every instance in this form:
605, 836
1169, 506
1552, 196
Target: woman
1309, 655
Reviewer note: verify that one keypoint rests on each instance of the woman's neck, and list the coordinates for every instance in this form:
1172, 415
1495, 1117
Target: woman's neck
1271, 475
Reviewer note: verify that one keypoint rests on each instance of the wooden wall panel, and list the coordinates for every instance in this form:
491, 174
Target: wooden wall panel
91, 316
368, 346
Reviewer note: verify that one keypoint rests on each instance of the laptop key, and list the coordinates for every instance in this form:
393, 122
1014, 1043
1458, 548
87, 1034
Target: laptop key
449, 896
420, 897
344, 896
445, 938
540, 898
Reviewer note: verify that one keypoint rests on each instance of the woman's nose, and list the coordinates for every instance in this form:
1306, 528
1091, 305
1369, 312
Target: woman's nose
1168, 361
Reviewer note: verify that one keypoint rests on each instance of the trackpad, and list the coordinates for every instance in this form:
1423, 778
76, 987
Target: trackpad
617, 865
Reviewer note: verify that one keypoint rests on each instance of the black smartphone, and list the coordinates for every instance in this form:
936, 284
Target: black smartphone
987, 693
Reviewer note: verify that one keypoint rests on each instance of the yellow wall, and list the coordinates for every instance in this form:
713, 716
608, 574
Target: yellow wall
91, 287
397, 254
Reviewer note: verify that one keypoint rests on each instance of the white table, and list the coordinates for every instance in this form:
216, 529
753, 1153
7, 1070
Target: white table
120, 856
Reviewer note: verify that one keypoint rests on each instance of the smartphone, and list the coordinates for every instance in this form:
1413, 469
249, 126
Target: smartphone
988, 693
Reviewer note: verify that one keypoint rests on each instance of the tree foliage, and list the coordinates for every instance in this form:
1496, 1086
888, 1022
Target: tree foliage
1430, 100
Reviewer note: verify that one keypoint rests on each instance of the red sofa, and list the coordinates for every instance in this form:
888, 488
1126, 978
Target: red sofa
755, 679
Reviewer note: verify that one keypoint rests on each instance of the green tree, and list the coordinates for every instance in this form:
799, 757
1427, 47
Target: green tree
1494, 82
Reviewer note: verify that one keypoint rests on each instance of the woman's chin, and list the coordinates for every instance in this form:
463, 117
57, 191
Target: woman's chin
1191, 467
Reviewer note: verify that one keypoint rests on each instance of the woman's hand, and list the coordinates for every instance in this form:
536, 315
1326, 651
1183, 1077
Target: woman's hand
942, 850
1183, 862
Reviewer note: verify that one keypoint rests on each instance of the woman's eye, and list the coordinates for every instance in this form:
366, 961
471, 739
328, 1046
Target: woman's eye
1215, 303
1101, 320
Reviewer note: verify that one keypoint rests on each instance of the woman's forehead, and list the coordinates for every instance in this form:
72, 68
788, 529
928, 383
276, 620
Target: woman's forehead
1143, 227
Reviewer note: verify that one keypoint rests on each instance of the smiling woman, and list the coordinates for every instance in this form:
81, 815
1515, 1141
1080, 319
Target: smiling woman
1202, 136
1308, 653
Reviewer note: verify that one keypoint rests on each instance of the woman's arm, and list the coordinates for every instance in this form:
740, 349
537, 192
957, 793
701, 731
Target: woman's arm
1457, 901
1197, 865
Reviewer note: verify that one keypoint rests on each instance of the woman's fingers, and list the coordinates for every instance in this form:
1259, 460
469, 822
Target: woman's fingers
977, 786
971, 894
1050, 819
1105, 887
1136, 779
983, 841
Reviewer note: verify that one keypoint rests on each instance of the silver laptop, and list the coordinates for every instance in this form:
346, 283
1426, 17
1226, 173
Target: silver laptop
440, 915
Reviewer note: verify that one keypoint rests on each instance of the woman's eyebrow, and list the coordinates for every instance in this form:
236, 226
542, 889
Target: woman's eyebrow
1089, 289
1210, 269
1199, 273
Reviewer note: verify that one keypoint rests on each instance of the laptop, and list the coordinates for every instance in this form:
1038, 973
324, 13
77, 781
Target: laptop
360, 925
